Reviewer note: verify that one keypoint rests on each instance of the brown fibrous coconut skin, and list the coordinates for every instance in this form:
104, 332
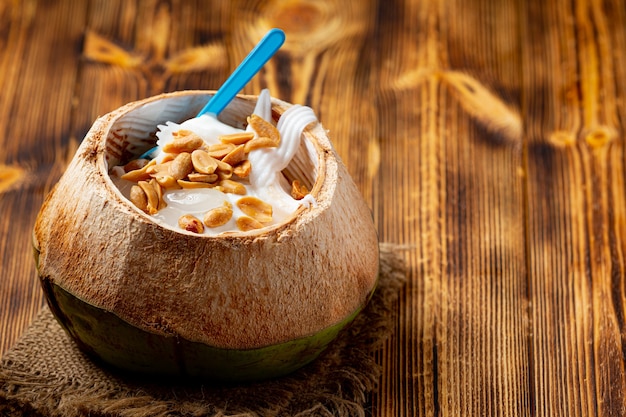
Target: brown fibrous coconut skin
236, 291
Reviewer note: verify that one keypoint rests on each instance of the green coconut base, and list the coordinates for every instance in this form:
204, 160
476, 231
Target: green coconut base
105, 336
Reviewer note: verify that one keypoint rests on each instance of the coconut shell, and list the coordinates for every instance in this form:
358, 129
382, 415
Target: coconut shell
240, 291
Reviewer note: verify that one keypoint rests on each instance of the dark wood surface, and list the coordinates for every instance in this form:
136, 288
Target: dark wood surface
486, 136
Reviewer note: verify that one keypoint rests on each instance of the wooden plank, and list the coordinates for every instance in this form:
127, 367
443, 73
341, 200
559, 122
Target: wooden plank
452, 157
484, 353
576, 205
411, 204
35, 107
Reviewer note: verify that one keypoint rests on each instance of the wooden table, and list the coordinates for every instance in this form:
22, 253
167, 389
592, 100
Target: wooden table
488, 136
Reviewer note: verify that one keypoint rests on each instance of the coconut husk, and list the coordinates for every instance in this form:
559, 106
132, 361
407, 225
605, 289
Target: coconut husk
45, 374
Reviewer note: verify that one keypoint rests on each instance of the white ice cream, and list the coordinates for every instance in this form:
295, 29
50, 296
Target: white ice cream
265, 182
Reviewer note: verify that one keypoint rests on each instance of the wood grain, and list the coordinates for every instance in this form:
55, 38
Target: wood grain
487, 137
455, 146
35, 110
576, 228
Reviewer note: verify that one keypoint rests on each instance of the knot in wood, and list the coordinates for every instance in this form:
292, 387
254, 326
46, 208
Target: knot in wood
600, 136
562, 138
309, 25
9, 176
300, 18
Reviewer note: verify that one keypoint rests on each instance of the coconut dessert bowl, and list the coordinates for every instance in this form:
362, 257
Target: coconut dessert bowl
238, 306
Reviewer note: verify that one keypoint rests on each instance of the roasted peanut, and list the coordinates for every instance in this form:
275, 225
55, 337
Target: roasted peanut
140, 174
187, 143
237, 138
224, 170
138, 198
245, 223
194, 184
298, 190
235, 156
218, 216
203, 162
258, 143
168, 157
232, 187
135, 164
242, 170
166, 181
195, 177
255, 208
263, 128
220, 150
159, 169
181, 166
182, 132
191, 224
159, 190
152, 195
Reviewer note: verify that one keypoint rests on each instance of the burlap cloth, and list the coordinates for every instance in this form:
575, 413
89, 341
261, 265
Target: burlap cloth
45, 374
